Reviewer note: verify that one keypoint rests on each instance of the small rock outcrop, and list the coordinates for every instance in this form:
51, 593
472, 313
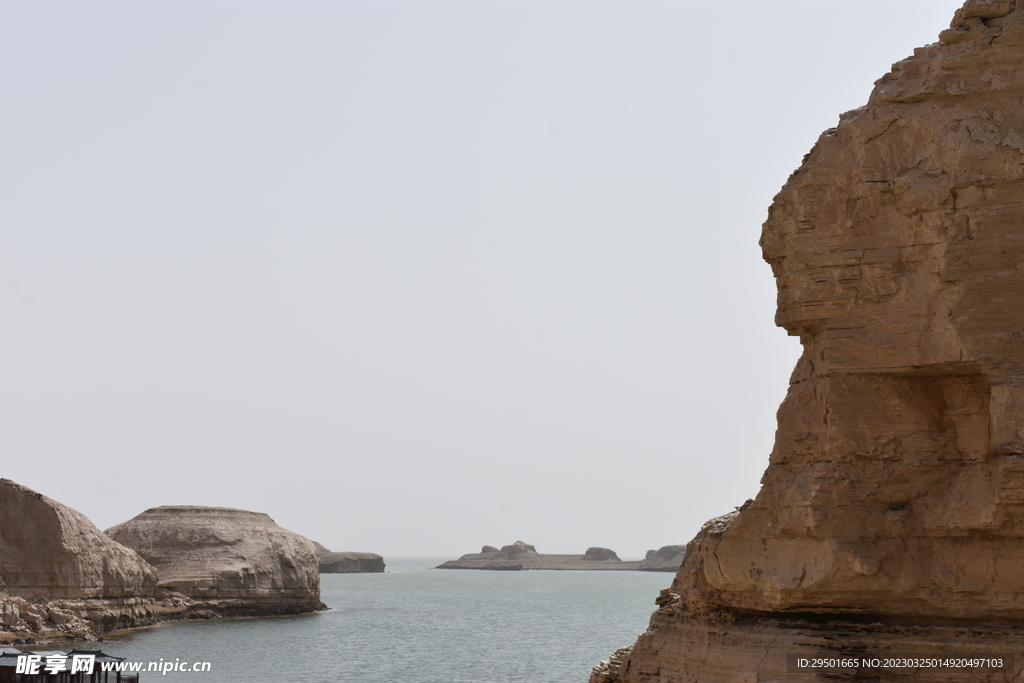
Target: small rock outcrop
891, 515
600, 554
235, 562
348, 562
667, 558
520, 555
61, 577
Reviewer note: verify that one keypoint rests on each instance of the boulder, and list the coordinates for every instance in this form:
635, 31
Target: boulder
232, 561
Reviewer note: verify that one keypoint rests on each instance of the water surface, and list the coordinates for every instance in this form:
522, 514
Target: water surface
416, 624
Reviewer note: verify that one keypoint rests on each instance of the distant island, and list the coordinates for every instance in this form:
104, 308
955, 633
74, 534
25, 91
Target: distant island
520, 555
348, 562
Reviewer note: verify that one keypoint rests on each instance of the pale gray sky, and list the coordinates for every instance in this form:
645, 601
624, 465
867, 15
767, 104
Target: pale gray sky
410, 276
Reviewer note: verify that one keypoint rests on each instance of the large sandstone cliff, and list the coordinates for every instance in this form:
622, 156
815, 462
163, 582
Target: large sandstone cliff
893, 501
232, 561
61, 576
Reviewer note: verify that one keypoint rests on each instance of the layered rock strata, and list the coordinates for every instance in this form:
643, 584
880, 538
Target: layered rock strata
61, 577
894, 495
348, 562
519, 556
233, 562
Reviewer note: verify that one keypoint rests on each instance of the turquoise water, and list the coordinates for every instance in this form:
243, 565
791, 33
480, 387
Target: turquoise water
416, 624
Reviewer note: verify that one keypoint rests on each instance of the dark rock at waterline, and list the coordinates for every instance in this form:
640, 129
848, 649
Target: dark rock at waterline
348, 562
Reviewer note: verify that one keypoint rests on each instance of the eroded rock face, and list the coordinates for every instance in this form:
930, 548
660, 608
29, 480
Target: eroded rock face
57, 571
896, 485
49, 550
234, 561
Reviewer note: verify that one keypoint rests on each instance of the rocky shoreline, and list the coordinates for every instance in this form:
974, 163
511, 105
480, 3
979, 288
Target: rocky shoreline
65, 581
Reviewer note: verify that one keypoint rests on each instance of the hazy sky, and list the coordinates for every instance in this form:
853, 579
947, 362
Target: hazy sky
410, 276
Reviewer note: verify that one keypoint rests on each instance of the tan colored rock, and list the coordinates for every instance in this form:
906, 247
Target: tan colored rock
50, 551
232, 561
58, 572
895, 490
759, 651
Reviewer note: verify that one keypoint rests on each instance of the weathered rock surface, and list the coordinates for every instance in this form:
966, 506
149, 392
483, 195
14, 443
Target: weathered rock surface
22, 620
48, 550
348, 562
667, 558
895, 491
61, 577
521, 555
232, 561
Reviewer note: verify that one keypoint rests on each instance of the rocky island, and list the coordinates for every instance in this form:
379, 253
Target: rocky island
891, 516
519, 556
348, 562
232, 562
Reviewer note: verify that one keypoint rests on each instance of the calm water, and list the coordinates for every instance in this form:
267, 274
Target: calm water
420, 625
